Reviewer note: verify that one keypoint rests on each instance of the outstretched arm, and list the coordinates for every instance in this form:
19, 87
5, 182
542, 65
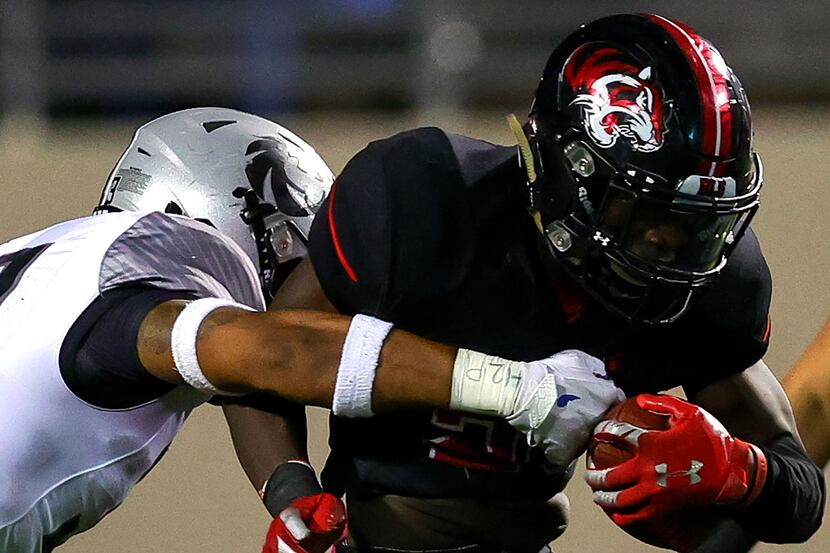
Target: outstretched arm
295, 354
299, 354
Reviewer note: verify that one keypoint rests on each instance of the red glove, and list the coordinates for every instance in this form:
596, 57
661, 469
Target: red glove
311, 524
692, 466
306, 519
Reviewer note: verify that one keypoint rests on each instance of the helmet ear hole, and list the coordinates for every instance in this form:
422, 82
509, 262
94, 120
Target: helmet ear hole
174, 209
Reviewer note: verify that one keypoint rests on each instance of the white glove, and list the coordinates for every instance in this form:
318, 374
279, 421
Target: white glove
560, 400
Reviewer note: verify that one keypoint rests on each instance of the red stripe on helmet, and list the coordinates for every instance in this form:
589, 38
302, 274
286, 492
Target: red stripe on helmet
712, 74
336, 239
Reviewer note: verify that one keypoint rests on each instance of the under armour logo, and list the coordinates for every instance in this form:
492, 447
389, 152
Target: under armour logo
663, 471
599, 237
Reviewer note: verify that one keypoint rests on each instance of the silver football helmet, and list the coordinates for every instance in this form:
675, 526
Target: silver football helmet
253, 180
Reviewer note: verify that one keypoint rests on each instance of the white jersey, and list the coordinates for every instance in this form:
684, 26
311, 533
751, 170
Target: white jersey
63, 462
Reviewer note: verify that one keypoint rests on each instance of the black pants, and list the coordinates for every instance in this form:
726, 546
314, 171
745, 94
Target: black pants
393, 523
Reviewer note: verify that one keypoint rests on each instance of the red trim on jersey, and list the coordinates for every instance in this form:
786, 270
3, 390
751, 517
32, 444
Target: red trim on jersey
711, 74
336, 240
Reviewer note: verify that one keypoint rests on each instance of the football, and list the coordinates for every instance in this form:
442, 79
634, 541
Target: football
611, 450
680, 530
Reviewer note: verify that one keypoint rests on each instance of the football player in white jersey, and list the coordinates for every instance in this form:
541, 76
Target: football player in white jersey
113, 327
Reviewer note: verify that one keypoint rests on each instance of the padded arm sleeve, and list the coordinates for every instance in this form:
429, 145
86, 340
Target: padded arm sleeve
99, 359
791, 506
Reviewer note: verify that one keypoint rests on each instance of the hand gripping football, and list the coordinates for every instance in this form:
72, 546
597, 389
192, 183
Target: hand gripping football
614, 439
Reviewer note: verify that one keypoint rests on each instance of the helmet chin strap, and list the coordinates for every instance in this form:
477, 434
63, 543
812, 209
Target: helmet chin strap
527, 157
524, 147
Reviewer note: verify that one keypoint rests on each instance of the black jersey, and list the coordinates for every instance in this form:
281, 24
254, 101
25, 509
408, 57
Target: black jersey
427, 230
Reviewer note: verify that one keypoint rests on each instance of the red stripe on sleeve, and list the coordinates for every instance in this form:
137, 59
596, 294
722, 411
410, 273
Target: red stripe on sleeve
336, 240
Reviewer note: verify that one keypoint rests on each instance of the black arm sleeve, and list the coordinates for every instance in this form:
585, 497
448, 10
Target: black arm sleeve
730, 537
99, 359
791, 506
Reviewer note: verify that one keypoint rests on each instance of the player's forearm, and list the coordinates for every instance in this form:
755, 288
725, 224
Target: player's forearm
359, 366
296, 354
266, 432
413, 373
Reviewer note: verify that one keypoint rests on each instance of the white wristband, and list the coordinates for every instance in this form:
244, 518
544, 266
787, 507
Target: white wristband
183, 341
358, 363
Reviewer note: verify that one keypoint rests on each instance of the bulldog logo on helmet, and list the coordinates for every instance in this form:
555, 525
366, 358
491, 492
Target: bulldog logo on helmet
618, 102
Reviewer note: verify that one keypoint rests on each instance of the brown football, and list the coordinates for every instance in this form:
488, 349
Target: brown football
608, 453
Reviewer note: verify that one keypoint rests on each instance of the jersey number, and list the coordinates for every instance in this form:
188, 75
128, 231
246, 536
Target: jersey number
13, 265
477, 442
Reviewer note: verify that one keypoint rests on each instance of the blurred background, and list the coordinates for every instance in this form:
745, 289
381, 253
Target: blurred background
77, 76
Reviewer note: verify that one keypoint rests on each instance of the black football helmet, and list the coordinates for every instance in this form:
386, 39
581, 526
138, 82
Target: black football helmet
642, 176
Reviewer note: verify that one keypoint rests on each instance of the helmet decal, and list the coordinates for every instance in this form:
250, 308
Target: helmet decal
618, 100
272, 164
645, 130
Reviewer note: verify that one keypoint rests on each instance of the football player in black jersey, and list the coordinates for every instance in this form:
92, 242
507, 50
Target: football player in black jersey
114, 327
619, 227
225, 202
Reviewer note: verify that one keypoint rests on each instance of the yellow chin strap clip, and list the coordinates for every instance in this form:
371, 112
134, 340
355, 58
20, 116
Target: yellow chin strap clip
527, 158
